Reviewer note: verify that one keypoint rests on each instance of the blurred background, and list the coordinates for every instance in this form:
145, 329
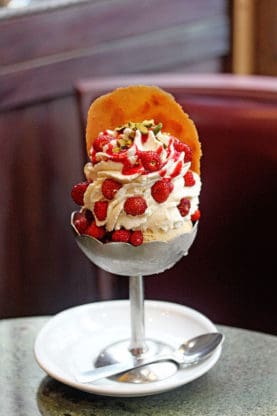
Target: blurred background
47, 50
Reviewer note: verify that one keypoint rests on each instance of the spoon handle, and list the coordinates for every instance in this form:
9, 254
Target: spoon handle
179, 358
114, 369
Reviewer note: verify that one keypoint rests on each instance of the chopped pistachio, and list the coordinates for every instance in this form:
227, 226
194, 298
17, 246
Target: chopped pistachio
121, 142
148, 123
121, 128
143, 127
129, 142
124, 143
116, 149
157, 128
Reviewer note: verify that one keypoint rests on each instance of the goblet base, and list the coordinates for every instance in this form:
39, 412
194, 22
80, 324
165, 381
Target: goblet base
119, 352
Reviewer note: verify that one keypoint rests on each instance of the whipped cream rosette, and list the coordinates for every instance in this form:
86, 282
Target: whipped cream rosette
148, 175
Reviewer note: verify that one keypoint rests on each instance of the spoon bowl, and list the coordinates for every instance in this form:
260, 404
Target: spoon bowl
199, 348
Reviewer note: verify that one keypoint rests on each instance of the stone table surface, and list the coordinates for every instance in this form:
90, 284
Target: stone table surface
243, 382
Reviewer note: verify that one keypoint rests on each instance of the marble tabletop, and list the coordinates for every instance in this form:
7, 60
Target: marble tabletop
242, 383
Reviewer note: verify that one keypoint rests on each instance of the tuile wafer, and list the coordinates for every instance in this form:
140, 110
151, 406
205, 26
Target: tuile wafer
137, 103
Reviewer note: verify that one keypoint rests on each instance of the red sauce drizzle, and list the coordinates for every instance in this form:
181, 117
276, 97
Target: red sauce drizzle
144, 138
131, 169
177, 170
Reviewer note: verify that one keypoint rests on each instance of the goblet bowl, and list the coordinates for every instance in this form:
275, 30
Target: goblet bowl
126, 260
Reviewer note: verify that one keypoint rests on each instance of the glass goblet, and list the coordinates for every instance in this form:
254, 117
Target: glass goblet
123, 259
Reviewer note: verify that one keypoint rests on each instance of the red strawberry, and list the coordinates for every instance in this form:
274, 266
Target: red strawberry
88, 215
196, 215
94, 231
131, 168
77, 192
184, 207
178, 145
161, 190
135, 205
110, 188
136, 238
151, 161
101, 141
121, 236
81, 222
182, 147
100, 210
189, 179
188, 155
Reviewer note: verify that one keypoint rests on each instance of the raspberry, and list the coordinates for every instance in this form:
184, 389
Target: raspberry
77, 192
196, 215
94, 231
110, 188
136, 238
184, 206
189, 179
151, 161
182, 147
81, 222
100, 210
161, 190
101, 141
121, 236
135, 205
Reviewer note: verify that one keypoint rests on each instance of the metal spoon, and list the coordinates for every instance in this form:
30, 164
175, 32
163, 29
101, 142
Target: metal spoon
189, 353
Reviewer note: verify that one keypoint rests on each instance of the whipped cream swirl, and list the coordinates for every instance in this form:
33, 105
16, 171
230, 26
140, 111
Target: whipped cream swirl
125, 166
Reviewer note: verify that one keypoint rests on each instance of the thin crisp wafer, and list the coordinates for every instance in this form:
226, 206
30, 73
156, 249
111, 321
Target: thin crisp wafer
137, 103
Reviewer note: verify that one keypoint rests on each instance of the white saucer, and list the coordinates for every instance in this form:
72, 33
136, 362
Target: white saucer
71, 340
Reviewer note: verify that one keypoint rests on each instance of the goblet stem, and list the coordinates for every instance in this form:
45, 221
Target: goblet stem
136, 294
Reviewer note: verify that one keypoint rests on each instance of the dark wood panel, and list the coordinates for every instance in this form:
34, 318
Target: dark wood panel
51, 50
88, 25
266, 38
42, 269
185, 45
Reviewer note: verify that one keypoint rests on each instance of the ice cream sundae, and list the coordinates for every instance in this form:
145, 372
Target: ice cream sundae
142, 180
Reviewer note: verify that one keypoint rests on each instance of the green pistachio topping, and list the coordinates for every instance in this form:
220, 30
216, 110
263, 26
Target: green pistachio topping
142, 127
157, 128
124, 143
116, 149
